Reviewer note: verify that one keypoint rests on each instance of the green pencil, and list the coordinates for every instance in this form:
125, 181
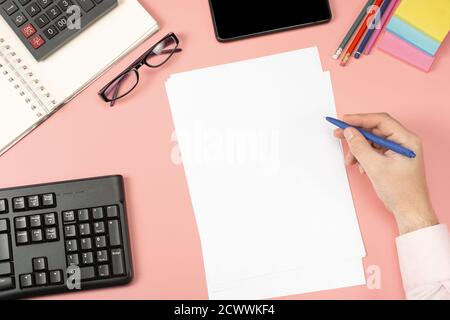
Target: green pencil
352, 30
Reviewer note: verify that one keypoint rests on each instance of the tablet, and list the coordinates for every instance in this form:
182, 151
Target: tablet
236, 19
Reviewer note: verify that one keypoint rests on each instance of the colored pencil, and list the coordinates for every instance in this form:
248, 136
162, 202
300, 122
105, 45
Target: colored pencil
371, 31
362, 30
352, 30
384, 20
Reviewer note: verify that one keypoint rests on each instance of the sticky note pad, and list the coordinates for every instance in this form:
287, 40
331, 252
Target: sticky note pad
430, 16
414, 36
406, 52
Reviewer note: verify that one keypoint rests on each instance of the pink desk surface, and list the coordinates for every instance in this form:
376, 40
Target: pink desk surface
87, 138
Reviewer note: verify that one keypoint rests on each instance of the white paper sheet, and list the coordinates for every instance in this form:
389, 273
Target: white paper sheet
266, 177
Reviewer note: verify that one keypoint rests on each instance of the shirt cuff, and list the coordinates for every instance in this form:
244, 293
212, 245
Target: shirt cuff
424, 256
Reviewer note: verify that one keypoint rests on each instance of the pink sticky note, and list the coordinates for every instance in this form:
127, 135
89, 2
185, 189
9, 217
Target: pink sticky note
406, 52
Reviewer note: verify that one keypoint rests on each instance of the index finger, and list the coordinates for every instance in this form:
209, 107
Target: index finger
383, 123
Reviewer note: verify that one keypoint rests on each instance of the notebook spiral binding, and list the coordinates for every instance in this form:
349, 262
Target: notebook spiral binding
24, 81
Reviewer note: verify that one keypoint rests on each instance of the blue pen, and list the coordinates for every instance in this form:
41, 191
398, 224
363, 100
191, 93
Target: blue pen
375, 139
369, 33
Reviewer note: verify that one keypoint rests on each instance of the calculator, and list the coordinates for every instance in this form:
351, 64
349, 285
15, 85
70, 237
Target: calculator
44, 26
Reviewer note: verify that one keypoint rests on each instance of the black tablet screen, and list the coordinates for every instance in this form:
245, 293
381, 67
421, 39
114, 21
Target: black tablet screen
240, 18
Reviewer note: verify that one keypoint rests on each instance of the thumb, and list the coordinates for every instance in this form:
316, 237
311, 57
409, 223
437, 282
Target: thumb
360, 147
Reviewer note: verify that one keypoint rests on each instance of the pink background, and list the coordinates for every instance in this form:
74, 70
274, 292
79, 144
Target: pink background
87, 138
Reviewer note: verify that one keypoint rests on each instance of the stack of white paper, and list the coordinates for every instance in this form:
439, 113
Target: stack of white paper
266, 177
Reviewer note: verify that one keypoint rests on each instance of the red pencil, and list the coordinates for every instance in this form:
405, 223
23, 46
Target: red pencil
362, 30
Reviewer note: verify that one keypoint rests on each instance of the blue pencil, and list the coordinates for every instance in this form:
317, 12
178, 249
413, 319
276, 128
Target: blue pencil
387, 144
369, 33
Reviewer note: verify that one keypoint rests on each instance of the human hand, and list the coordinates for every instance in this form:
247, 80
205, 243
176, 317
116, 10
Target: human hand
399, 181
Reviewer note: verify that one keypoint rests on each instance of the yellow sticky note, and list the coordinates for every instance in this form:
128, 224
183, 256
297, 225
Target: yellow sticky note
430, 16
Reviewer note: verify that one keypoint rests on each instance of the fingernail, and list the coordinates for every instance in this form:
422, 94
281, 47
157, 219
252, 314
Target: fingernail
348, 133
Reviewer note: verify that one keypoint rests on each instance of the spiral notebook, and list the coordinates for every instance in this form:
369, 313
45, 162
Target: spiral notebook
31, 91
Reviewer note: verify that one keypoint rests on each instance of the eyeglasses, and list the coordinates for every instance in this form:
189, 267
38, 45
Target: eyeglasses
128, 80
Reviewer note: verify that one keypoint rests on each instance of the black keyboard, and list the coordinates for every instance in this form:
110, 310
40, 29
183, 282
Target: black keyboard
42, 25
63, 237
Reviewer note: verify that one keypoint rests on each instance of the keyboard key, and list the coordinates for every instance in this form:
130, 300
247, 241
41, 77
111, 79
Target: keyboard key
64, 5
69, 216
35, 221
4, 225
50, 32
53, 12
50, 219
40, 278
6, 283
112, 211
83, 215
10, 7
26, 280
100, 242
70, 231
87, 258
3, 206
42, 21
55, 277
19, 18
102, 256
87, 273
36, 41
21, 223
117, 262
85, 229
86, 5
36, 235
19, 204
33, 202
86, 243
99, 227
103, 271
39, 264
48, 200
51, 234
71, 245
114, 233
44, 3
4, 247
73, 259
61, 23
5, 269
33, 9
97, 213
22, 237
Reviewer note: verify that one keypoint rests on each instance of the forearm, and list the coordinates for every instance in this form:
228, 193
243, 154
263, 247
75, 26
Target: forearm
424, 257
